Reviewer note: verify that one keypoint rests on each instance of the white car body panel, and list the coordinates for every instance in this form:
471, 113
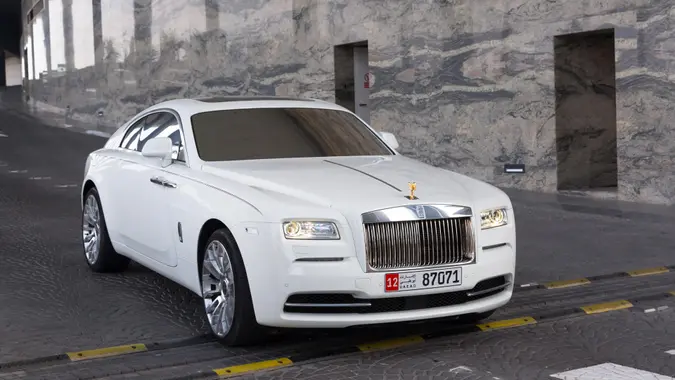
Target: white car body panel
253, 197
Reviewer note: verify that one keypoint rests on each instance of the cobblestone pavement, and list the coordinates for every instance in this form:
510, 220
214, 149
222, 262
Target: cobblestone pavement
633, 340
51, 303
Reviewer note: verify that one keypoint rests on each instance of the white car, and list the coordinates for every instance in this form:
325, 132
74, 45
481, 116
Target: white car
292, 213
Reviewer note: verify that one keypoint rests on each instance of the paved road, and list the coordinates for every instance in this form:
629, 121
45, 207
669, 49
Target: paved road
51, 303
633, 340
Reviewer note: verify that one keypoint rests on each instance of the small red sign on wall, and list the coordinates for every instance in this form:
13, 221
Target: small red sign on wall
366, 80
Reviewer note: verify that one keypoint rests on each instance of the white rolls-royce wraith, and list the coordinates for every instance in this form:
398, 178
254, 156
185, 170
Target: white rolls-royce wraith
294, 213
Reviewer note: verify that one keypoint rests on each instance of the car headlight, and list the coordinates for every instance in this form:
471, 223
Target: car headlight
492, 218
310, 230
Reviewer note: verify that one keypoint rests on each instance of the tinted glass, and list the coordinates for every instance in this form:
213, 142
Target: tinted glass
263, 133
130, 140
159, 124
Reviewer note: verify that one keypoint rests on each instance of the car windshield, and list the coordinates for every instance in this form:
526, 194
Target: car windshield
266, 133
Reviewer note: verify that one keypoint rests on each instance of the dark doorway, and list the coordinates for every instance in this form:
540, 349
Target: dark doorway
585, 86
3, 69
352, 78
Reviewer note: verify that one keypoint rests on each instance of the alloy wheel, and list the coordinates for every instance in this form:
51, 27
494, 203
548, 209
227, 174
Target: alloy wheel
91, 229
218, 288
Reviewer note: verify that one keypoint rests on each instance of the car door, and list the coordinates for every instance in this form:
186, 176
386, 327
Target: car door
142, 193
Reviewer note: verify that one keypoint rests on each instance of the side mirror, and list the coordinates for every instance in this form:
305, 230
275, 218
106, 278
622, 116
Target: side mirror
158, 147
390, 139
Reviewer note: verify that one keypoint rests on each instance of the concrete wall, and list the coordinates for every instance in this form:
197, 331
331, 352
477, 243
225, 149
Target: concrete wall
12, 70
467, 85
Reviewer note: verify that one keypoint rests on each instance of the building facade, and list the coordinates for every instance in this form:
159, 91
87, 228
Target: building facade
566, 95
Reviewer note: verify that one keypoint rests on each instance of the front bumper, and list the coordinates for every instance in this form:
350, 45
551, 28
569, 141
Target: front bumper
274, 277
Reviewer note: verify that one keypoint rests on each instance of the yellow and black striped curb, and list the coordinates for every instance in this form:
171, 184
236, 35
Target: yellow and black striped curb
111, 351
419, 339
594, 279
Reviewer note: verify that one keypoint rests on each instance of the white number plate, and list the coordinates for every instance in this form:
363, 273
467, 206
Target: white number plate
397, 282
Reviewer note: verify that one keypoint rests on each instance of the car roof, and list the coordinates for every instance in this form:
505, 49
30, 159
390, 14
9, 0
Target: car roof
196, 105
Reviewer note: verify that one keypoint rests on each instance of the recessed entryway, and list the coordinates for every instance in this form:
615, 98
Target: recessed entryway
353, 79
585, 86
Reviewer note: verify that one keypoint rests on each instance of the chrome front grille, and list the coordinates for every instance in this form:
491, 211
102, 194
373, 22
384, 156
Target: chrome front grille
419, 243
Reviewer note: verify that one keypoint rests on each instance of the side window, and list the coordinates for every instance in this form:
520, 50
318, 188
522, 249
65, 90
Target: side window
163, 124
130, 140
159, 124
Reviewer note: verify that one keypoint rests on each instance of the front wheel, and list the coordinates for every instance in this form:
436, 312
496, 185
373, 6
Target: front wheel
225, 291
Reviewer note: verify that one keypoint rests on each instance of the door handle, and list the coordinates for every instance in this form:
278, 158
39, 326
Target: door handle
163, 182
168, 184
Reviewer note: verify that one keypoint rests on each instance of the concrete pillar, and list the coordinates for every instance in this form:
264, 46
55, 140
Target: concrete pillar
47, 36
143, 41
143, 22
212, 15
68, 34
98, 35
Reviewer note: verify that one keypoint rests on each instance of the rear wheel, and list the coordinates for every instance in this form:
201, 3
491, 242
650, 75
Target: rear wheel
98, 250
225, 291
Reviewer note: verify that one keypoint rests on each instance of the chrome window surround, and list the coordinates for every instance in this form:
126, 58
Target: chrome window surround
416, 212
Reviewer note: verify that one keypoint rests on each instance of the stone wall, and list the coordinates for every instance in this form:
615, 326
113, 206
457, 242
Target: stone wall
467, 85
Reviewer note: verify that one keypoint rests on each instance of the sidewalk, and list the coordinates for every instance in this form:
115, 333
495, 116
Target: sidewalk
11, 101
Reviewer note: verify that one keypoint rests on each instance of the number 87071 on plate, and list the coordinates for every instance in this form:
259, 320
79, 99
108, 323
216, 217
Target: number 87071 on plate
397, 282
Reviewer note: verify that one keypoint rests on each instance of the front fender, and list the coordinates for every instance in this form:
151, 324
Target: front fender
194, 205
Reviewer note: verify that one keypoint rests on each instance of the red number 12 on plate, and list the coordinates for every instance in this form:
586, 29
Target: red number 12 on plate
391, 282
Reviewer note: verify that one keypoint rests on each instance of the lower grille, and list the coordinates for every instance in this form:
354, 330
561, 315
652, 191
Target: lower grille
332, 303
419, 243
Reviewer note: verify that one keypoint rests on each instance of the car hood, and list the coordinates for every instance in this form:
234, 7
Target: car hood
350, 184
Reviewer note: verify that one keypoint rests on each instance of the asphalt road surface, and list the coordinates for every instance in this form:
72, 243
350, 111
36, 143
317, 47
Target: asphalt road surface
50, 303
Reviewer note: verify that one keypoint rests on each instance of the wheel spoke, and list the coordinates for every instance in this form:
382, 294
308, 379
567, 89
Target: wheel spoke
217, 318
212, 268
210, 293
212, 306
90, 244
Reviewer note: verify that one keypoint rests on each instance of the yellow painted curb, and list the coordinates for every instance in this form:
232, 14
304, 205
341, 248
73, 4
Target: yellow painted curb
648, 271
507, 323
105, 352
566, 283
390, 343
251, 367
606, 306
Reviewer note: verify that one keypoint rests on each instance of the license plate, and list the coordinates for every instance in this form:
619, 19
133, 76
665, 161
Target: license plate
398, 282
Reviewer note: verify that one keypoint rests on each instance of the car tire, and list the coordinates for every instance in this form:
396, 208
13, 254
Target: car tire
98, 250
231, 319
473, 318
